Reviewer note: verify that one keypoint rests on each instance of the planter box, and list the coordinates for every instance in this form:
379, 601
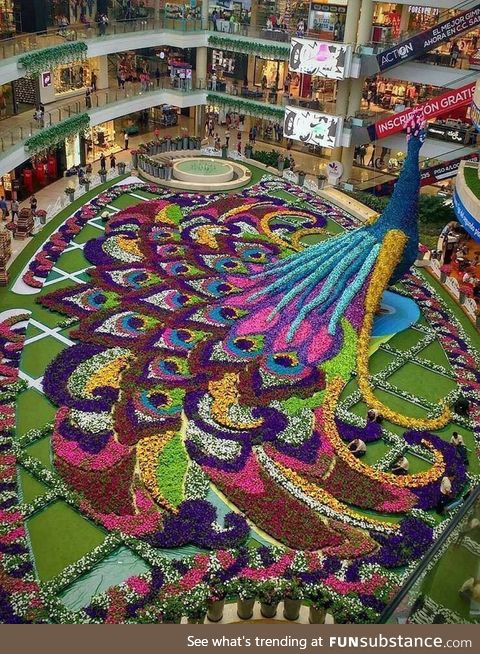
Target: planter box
215, 610
317, 616
291, 609
268, 610
245, 608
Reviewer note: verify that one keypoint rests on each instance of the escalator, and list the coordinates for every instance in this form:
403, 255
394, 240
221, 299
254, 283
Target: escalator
417, 45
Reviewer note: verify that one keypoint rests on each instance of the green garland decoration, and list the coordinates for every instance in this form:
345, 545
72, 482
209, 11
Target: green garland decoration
55, 134
234, 44
42, 60
249, 107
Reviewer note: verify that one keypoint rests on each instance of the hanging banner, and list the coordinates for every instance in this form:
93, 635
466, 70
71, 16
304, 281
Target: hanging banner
323, 58
312, 127
419, 44
437, 106
465, 218
444, 170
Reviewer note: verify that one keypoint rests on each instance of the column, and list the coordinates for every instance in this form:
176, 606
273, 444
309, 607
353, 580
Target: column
351, 21
205, 17
254, 14
404, 19
156, 10
365, 24
201, 69
341, 107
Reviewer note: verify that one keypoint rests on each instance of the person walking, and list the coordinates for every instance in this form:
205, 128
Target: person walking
254, 134
239, 142
227, 137
14, 209
33, 204
125, 141
3, 208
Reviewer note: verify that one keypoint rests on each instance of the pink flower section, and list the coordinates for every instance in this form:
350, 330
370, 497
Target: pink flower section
139, 585
248, 478
275, 570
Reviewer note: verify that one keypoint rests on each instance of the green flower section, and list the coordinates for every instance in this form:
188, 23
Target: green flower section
171, 470
250, 47
46, 59
250, 107
49, 137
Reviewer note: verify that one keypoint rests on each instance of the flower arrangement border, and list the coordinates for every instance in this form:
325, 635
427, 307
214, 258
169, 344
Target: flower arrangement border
55, 134
250, 107
250, 47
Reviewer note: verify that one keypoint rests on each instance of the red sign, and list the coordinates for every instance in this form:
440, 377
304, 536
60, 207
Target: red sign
444, 170
437, 106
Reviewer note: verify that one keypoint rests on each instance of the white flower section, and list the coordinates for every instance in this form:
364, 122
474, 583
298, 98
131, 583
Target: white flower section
83, 372
226, 450
91, 422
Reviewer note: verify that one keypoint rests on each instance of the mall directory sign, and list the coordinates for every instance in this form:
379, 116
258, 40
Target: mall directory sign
422, 43
322, 58
312, 127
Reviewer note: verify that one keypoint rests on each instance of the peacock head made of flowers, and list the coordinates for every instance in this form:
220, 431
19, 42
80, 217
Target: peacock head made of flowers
212, 352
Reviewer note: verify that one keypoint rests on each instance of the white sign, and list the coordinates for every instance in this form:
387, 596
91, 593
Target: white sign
334, 172
324, 58
312, 127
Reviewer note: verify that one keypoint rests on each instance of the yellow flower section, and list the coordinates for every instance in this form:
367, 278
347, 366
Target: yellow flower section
204, 236
409, 481
107, 375
129, 245
296, 245
162, 217
389, 257
225, 395
265, 225
148, 451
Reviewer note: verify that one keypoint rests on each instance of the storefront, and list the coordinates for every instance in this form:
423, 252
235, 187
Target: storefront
273, 71
71, 80
327, 21
387, 22
231, 65
423, 18
180, 74
7, 19
99, 140
72, 151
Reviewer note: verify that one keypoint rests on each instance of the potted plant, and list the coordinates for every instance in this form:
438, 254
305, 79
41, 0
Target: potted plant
134, 154
445, 270
42, 216
86, 182
70, 192
216, 602
249, 150
195, 604
321, 179
245, 589
301, 177
293, 600
121, 167
319, 603
168, 143
270, 593
103, 175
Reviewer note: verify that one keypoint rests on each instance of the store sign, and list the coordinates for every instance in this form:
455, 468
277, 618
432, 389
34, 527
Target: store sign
475, 116
324, 58
465, 218
445, 170
430, 109
446, 133
328, 9
312, 127
46, 79
430, 39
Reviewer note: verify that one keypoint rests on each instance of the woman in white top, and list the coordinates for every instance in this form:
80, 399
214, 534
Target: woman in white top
457, 440
357, 447
401, 466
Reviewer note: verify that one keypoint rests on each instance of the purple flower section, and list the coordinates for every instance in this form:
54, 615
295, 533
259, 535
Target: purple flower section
429, 495
409, 543
370, 433
55, 380
93, 443
194, 525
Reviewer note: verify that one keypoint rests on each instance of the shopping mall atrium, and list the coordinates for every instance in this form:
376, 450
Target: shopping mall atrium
239, 311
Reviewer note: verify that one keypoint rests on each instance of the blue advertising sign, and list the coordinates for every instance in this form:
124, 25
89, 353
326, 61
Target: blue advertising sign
465, 218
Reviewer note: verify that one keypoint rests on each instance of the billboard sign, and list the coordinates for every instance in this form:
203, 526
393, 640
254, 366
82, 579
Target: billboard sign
422, 43
312, 127
322, 58
445, 170
441, 104
465, 218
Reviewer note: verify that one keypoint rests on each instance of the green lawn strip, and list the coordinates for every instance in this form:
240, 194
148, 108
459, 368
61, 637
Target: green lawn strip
468, 439
435, 353
51, 534
406, 339
34, 410
172, 466
379, 361
124, 201
444, 580
42, 451
30, 487
72, 261
375, 452
37, 355
422, 382
400, 405
88, 233
472, 180
32, 331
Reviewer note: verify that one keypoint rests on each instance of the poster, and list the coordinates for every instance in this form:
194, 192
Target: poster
430, 39
312, 127
323, 58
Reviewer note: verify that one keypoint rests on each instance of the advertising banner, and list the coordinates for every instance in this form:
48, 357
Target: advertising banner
475, 116
444, 170
312, 127
430, 109
323, 58
430, 39
465, 218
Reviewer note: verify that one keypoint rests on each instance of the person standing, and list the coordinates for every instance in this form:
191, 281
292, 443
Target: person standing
33, 204
125, 140
239, 142
214, 20
445, 493
213, 80
157, 76
103, 163
88, 99
227, 137
254, 134
3, 208
93, 81
14, 208
113, 161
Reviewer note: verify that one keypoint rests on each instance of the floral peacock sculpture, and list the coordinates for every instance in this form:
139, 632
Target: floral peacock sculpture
211, 357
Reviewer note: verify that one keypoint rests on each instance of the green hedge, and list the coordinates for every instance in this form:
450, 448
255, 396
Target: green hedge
46, 59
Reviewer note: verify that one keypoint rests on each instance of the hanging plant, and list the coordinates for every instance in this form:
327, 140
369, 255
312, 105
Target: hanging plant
57, 133
250, 107
42, 60
281, 51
